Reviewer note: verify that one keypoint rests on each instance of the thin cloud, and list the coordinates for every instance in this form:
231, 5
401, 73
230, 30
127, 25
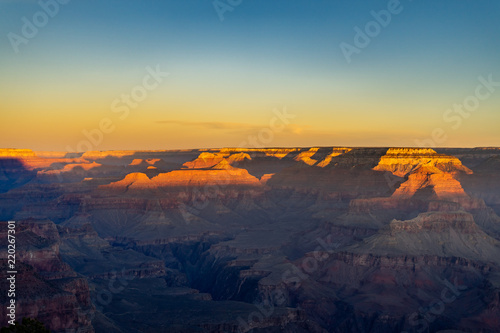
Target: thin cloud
211, 125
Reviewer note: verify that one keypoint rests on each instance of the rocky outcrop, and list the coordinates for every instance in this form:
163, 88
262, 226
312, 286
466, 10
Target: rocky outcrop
278, 153
238, 158
132, 181
437, 222
229, 177
94, 155
221, 175
305, 156
265, 178
213, 160
19, 153
205, 160
47, 288
336, 152
402, 161
430, 182
444, 234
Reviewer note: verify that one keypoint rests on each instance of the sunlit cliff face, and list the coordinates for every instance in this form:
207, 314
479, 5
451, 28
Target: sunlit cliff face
424, 169
418, 169
401, 161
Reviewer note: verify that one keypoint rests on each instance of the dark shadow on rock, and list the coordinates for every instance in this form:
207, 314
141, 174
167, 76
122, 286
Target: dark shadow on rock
13, 174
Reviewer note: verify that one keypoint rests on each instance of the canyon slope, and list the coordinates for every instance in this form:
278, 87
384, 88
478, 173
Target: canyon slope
316, 239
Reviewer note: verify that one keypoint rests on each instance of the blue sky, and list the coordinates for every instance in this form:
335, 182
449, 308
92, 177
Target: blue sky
263, 55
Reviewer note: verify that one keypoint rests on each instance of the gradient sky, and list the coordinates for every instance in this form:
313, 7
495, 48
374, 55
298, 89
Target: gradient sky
226, 77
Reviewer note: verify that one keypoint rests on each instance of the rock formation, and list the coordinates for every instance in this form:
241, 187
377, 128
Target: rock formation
46, 287
323, 239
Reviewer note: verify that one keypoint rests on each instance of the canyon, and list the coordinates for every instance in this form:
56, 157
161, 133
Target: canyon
316, 239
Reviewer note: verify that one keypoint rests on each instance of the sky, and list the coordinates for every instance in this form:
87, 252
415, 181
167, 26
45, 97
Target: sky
127, 74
